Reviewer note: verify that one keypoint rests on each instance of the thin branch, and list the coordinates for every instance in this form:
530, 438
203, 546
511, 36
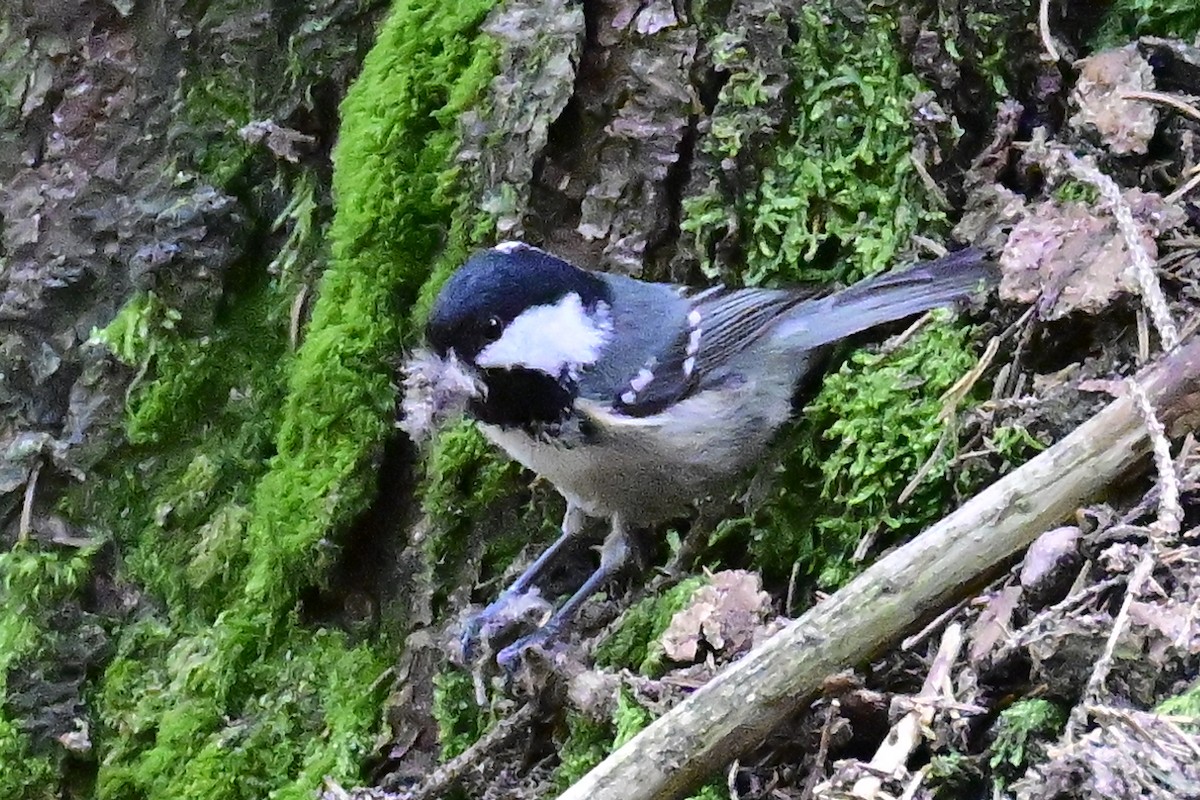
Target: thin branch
737, 709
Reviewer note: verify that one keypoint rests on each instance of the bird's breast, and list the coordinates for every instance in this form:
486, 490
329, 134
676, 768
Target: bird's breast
646, 469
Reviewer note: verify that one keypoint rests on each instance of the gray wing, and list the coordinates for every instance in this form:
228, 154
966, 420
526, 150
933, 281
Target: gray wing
719, 324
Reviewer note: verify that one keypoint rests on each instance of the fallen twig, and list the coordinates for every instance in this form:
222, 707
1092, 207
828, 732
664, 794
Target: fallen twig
892, 756
453, 773
1044, 30
26, 523
952, 559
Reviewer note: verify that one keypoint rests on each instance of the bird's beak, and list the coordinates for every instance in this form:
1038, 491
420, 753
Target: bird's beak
437, 390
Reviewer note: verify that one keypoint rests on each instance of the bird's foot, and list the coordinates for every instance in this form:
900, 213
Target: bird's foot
511, 619
512, 657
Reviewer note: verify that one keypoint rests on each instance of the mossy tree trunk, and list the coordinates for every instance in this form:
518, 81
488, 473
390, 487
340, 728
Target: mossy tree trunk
164, 195
215, 547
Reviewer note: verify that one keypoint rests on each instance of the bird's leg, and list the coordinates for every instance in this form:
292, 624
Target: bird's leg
572, 525
614, 554
504, 611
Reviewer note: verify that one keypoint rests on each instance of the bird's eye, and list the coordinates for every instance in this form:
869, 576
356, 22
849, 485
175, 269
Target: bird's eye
491, 328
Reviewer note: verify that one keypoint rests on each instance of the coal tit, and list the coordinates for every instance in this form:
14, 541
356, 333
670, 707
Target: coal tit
635, 399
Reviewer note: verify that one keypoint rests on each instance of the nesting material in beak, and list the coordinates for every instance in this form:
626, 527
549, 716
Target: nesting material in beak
436, 390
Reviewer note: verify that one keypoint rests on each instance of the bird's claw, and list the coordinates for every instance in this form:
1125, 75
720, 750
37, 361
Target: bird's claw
507, 622
511, 657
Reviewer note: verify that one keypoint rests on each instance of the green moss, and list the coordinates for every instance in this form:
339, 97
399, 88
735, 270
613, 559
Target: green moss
14, 73
842, 180
838, 199
1015, 443
201, 422
411, 205
1128, 19
629, 719
33, 584
464, 474
459, 719
586, 744
1186, 704
846, 179
990, 35
219, 105
246, 459
589, 742
952, 775
869, 431
1022, 733
1070, 191
634, 645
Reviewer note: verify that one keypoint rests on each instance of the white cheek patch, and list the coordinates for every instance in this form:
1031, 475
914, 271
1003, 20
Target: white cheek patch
552, 338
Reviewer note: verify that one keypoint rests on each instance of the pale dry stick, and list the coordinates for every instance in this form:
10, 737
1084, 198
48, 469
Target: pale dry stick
26, 523
1134, 719
1073, 600
950, 400
1170, 515
936, 625
1186, 189
915, 482
1142, 264
1185, 108
790, 599
452, 773
931, 246
892, 756
914, 785
896, 342
962, 387
1185, 630
814, 777
916, 158
1095, 684
1044, 30
296, 317
1170, 512
1162, 97
970, 709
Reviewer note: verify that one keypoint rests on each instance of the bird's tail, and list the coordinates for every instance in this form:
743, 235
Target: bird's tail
892, 296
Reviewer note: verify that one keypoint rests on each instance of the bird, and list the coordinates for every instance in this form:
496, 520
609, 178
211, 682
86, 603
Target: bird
634, 399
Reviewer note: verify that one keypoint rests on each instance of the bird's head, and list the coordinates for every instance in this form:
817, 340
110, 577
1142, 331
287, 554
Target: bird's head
508, 335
